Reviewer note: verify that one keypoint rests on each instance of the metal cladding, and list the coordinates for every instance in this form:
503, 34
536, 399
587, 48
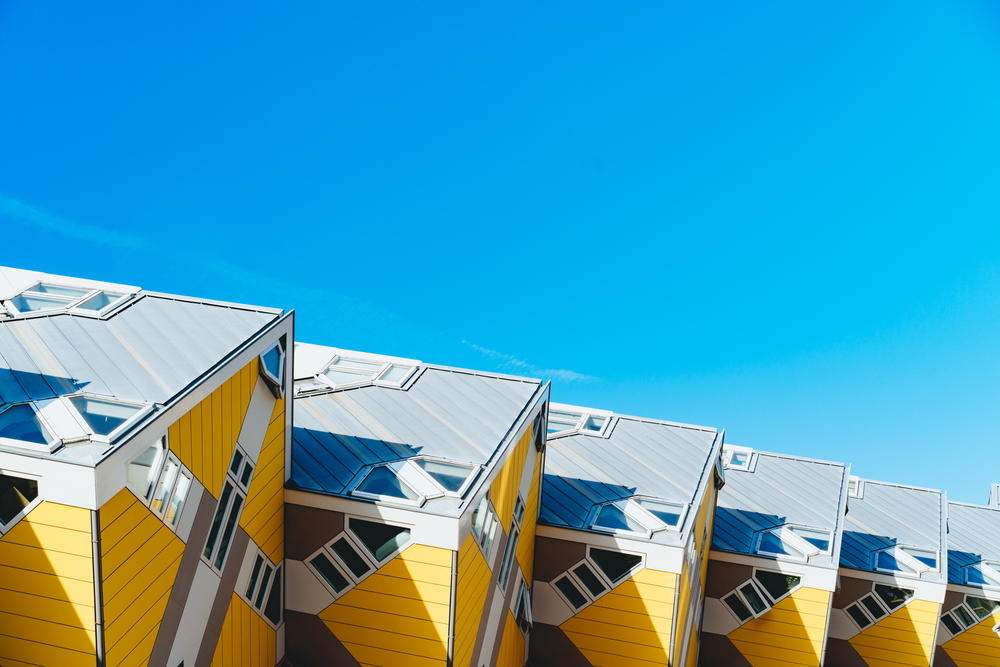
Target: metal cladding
973, 536
634, 457
777, 490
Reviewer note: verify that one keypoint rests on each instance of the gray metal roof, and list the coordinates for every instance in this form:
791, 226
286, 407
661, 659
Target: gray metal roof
455, 414
890, 514
636, 457
973, 536
780, 489
146, 352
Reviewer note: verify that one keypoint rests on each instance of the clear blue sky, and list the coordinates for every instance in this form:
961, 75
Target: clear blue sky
777, 218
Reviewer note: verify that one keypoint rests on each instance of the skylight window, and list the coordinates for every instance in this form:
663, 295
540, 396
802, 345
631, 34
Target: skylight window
737, 458
383, 482
104, 416
345, 371
794, 542
413, 481
983, 573
46, 424
641, 516
855, 487
905, 559
564, 421
20, 422
451, 476
49, 296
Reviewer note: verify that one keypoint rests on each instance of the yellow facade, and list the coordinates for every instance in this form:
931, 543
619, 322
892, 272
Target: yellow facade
139, 560
503, 490
979, 646
399, 614
792, 632
470, 595
512, 644
629, 626
526, 546
246, 639
204, 438
702, 532
47, 589
905, 637
263, 515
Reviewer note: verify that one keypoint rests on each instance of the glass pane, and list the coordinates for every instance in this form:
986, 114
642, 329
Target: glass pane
562, 421
253, 576
589, 579
981, 607
272, 611
352, 559
572, 593
665, 512
357, 364
220, 512
886, 560
16, 493
100, 300
165, 485
380, 539
613, 518
395, 374
950, 623
925, 556
594, 423
775, 583
873, 607
518, 510
101, 415
142, 471
615, 565
247, 471
19, 422
227, 534
771, 543
479, 518
234, 466
450, 476
27, 303
963, 616
893, 597
382, 481
734, 602
753, 598
259, 600
739, 459
330, 573
273, 362
859, 616
60, 290
508, 557
339, 377
818, 538
176, 505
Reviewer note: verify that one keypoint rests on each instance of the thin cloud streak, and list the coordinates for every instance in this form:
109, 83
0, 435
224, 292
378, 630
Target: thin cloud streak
24, 213
510, 362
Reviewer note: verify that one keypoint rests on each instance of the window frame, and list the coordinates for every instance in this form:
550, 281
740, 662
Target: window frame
486, 541
372, 378
730, 451
879, 602
229, 514
785, 534
523, 604
635, 568
918, 567
583, 415
277, 383
632, 508
859, 487
261, 582
32, 504
990, 573
761, 585
589, 596
355, 543
182, 471
72, 304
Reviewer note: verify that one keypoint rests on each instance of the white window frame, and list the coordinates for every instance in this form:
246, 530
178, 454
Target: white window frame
522, 600
635, 568
372, 378
761, 591
356, 544
240, 490
486, 539
767, 595
65, 424
583, 415
609, 585
880, 603
72, 304
918, 567
14, 520
859, 487
182, 471
787, 536
470, 478
278, 382
635, 511
250, 596
989, 570
509, 556
730, 451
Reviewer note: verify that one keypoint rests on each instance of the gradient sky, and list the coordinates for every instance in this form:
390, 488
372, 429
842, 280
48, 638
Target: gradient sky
776, 218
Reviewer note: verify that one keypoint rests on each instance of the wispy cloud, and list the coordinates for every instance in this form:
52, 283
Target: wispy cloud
510, 362
20, 212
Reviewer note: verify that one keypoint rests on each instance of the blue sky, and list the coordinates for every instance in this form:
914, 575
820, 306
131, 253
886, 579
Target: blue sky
777, 218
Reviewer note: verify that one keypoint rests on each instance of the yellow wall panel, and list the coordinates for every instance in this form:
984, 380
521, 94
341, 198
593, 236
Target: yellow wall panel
978, 646
139, 560
905, 637
470, 596
204, 438
511, 650
631, 625
409, 625
263, 514
503, 489
526, 543
791, 633
246, 639
47, 589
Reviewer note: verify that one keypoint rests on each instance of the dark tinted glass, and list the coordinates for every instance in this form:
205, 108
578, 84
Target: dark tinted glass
273, 609
380, 539
253, 575
220, 512
734, 602
352, 559
858, 616
951, 624
15, 494
775, 583
589, 579
572, 593
614, 564
873, 607
893, 597
753, 598
329, 572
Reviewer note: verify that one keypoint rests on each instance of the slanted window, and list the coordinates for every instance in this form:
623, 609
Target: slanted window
669, 513
412, 481
736, 458
160, 480
984, 573
615, 565
102, 415
538, 429
905, 559
264, 588
450, 476
346, 371
613, 517
855, 487
384, 483
776, 584
642, 516
356, 553
589, 579
484, 526
16, 495
21, 422
790, 542
272, 364
50, 296
522, 609
970, 613
144, 470
761, 592
507, 562
981, 607
874, 606
564, 420
595, 575
949, 622
570, 591
382, 540
227, 512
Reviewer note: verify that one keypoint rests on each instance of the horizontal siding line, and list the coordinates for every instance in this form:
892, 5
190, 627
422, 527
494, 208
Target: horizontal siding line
7, 539
61, 648
28, 522
48, 597
390, 650
392, 613
47, 620
47, 573
644, 614
666, 633
771, 645
620, 655
395, 596
421, 581
155, 628
666, 636
442, 643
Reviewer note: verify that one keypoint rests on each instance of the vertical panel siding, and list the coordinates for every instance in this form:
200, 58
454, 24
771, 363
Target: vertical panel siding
204, 438
978, 646
526, 543
511, 651
263, 515
139, 560
47, 589
905, 637
503, 490
631, 625
246, 639
702, 537
470, 596
790, 633
399, 614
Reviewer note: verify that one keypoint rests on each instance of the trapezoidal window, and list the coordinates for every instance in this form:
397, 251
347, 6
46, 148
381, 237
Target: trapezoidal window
16, 494
20, 422
380, 539
50, 296
614, 564
272, 365
382, 481
450, 476
103, 416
